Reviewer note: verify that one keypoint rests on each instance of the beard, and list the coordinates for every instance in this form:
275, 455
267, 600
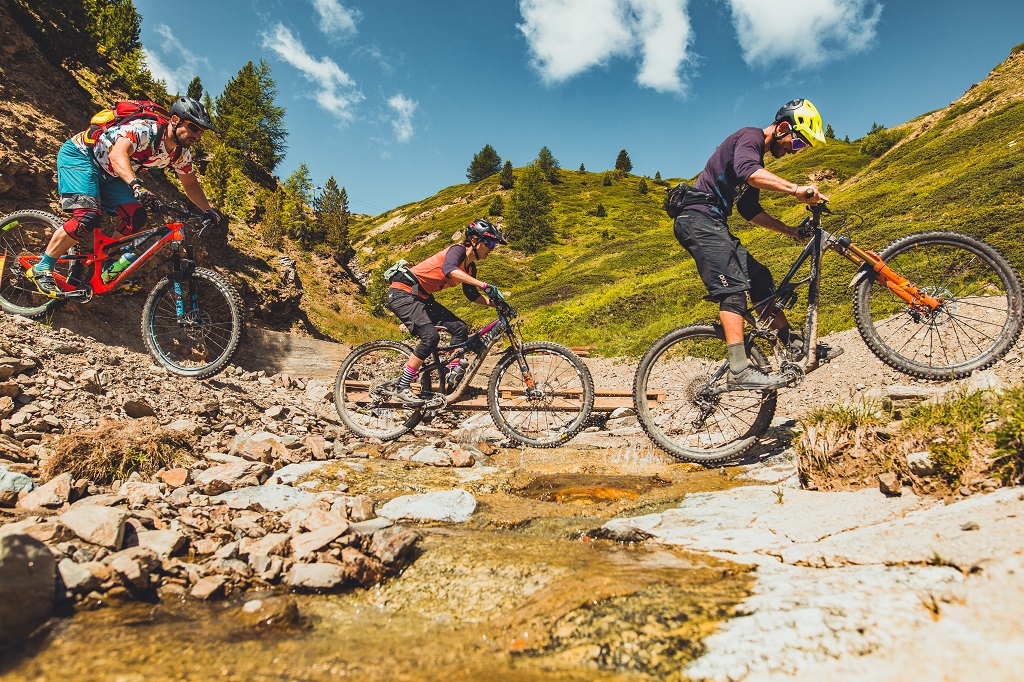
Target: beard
776, 149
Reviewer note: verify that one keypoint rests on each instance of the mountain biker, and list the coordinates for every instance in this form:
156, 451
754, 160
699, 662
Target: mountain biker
415, 306
735, 174
104, 177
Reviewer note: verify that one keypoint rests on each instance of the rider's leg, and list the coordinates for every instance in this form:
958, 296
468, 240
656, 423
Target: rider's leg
412, 311
81, 223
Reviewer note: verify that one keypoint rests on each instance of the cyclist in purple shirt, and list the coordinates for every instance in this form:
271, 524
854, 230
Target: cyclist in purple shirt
735, 174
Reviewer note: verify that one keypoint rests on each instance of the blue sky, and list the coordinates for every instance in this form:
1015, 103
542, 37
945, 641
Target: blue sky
394, 97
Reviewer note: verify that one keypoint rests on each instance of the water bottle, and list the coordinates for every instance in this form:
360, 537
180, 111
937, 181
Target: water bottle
112, 270
455, 373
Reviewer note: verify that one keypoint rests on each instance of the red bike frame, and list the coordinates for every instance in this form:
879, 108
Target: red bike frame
103, 247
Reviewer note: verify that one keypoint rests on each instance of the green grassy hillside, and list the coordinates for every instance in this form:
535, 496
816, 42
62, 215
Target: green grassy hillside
620, 281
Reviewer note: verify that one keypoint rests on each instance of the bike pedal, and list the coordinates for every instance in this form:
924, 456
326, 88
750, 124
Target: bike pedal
75, 293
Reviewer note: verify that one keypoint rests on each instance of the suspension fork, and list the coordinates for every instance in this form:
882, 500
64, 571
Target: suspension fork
524, 368
183, 295
870, 262
813, 291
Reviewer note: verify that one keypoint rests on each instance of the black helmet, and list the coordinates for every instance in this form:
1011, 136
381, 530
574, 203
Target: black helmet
189, 109
484, 230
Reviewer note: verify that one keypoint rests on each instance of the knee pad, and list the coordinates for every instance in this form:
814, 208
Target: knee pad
459, 330
82, 222
133, 218
429, 338
734, 303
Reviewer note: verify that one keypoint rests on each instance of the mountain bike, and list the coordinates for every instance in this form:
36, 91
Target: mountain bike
539, 393
192, 319
934, 305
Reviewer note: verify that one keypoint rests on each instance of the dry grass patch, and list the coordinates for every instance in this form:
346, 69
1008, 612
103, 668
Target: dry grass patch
117, 448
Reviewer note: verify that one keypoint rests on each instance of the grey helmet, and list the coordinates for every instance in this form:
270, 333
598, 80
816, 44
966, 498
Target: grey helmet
484, 230
189, 109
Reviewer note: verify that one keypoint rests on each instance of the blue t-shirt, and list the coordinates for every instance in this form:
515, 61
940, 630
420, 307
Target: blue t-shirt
727, 171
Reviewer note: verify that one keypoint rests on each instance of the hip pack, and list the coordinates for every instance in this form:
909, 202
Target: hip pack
400, 272
683, 195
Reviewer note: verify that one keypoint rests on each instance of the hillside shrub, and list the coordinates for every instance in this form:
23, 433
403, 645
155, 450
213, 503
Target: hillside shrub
599, 211
497, 206
879, 142
642, 186
607, 182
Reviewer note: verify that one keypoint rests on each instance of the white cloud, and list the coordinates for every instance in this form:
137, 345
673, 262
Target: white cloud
337, 92
177, 79
567, 37
804, 32
404, 109
335, 18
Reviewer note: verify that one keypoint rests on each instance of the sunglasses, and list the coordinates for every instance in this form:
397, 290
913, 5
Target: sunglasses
193, 127
798, 142
491, 243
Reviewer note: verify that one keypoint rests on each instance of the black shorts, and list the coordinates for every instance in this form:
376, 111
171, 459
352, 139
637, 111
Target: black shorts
420, 316
724, 264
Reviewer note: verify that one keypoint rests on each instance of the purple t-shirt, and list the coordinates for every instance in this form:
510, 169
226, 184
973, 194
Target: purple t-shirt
726, 173
456, 254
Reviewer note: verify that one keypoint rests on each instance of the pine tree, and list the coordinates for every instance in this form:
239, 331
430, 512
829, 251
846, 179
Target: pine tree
195, 89
830, 134
273, 225
875, 128
332, 217
505, 179
548, 165
607, 181
250, 122
298, 195
622, 162
642, 186
485, 163
528, 214
846, 139
583, 169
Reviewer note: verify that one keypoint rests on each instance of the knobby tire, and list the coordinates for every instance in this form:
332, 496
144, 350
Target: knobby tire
672, 374
554, 415
26, 233
207, 346
980, 323
364, 369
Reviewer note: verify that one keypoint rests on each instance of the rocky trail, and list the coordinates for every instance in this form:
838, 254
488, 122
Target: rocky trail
246, 484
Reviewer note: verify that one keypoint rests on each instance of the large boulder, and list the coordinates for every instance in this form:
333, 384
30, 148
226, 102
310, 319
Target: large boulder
456, 506
28, 575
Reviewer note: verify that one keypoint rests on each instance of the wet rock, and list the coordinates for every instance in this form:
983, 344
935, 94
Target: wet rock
77, 578
208, 587
433, 456
889, 484
52, 495
393, 545
316, 577
269, 613
360, 569
102, 526
462, 458
269, 497
130, 571
455, 506
27, 585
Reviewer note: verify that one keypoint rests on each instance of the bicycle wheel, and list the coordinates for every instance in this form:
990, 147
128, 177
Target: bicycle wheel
979, 321
555, 409
203, 341
364, 391
26, 233
677, 413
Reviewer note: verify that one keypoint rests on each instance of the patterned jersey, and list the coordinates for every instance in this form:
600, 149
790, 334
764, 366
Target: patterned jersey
148, 150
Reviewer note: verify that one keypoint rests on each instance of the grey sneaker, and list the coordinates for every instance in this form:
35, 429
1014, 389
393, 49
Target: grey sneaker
408, 397
753, 379
43, 279
827, 353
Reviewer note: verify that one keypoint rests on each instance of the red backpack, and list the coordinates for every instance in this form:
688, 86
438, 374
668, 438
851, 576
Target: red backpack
128, 110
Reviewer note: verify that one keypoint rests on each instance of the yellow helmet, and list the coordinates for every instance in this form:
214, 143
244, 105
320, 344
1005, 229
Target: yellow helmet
805, 119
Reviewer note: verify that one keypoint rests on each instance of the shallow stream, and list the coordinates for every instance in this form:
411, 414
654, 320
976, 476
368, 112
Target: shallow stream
520, 592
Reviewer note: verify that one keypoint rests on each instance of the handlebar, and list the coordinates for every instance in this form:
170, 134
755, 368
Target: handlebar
184, 214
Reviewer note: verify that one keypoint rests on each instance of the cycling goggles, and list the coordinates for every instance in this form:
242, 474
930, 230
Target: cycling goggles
490, 243
798, 142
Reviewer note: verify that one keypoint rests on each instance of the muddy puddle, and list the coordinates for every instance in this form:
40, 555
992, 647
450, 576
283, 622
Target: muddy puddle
519, 592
